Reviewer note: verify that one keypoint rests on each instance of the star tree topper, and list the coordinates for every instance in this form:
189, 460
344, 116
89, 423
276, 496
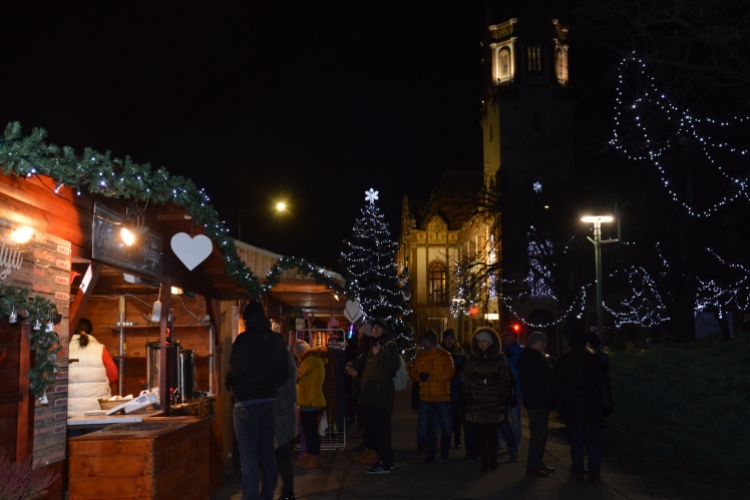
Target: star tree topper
371, 196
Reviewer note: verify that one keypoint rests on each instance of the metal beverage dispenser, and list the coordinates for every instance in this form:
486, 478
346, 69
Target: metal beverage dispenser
153, 362
187, 375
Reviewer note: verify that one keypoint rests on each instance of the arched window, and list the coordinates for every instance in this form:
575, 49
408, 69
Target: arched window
436, 281
503, 65
561, 65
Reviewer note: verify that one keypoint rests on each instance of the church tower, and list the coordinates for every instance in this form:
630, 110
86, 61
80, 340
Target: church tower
526, 118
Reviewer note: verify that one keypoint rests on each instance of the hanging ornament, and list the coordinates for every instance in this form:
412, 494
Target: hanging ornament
43, 399
353, 311
191, 251
13, 316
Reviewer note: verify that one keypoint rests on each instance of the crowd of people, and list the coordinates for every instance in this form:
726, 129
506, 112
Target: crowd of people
278, 395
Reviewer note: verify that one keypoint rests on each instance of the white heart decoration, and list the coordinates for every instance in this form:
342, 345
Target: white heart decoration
352, 312
191, 251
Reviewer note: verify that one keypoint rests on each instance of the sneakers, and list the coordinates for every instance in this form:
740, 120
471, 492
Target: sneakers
380, 468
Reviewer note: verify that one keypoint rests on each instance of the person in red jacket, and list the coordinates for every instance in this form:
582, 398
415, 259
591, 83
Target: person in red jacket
433, 370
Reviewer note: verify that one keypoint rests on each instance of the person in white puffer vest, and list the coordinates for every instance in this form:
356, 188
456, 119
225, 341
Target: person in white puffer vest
89, 377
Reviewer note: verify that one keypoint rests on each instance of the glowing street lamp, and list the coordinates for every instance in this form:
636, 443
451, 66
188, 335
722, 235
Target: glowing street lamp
281, 206
597, 221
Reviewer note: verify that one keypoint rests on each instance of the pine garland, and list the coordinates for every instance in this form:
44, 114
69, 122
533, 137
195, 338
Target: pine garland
38, 312
101, 174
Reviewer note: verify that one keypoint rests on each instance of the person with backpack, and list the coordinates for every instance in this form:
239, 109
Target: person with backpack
433, 370
377, 393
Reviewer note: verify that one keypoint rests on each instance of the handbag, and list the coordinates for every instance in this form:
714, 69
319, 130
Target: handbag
323, 425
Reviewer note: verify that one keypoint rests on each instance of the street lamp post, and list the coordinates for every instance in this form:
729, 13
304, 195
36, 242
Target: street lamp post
597, 241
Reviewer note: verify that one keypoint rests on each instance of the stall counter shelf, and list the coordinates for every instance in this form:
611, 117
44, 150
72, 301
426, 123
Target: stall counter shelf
157, 458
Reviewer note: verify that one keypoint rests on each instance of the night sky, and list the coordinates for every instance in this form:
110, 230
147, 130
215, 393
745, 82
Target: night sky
259, 101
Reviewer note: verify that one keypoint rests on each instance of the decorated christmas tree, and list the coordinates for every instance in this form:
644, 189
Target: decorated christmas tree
373, 276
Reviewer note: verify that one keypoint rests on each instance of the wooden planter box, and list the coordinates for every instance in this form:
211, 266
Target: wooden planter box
159, 458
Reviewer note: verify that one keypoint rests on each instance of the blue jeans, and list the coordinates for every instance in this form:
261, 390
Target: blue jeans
590, 437
514, 415
430, 414
255, 428
505, 433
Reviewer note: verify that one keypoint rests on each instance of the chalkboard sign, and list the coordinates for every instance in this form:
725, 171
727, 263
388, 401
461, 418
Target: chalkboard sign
107, 246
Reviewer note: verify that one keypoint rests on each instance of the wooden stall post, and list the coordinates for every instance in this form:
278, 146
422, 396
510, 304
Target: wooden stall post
226, 409
165, 297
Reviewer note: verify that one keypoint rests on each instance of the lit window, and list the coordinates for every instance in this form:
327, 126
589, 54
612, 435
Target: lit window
534, 58
504, 65
436, 283
561, 65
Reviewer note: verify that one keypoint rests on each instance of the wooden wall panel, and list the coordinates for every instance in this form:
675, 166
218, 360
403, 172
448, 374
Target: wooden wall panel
174, 463
103, 312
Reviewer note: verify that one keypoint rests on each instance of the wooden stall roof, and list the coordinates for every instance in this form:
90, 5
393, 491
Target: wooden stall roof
36, 202
294, 289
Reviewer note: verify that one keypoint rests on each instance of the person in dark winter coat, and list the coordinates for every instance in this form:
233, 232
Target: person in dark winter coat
383, 361
258, 366
459, 362
536, 386
578, 390
486, 389
286, 430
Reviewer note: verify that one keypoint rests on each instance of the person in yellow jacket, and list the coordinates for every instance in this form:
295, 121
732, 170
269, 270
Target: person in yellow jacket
310, 377
433, 370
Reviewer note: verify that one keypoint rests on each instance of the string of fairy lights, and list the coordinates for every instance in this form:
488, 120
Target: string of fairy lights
374, 279
710, 293
652, 147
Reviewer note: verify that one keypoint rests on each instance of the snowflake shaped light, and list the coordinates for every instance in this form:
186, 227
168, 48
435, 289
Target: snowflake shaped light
371, 196
537, 187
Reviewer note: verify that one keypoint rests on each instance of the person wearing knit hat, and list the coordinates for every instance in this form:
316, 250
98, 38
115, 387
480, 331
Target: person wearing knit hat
301, 347
536, 386
377, 394
459, 362
258, 366
535, 337
380, 322
433, 370
486, 389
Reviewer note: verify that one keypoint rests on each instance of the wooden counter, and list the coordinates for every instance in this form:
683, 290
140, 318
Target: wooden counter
160, 458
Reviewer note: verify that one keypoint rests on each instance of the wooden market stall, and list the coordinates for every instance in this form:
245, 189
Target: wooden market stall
74, 259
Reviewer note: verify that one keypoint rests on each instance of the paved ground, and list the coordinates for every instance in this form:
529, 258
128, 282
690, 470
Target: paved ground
345, 479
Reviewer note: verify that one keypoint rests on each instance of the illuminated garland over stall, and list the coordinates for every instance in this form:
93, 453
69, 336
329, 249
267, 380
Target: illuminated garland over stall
101, 174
